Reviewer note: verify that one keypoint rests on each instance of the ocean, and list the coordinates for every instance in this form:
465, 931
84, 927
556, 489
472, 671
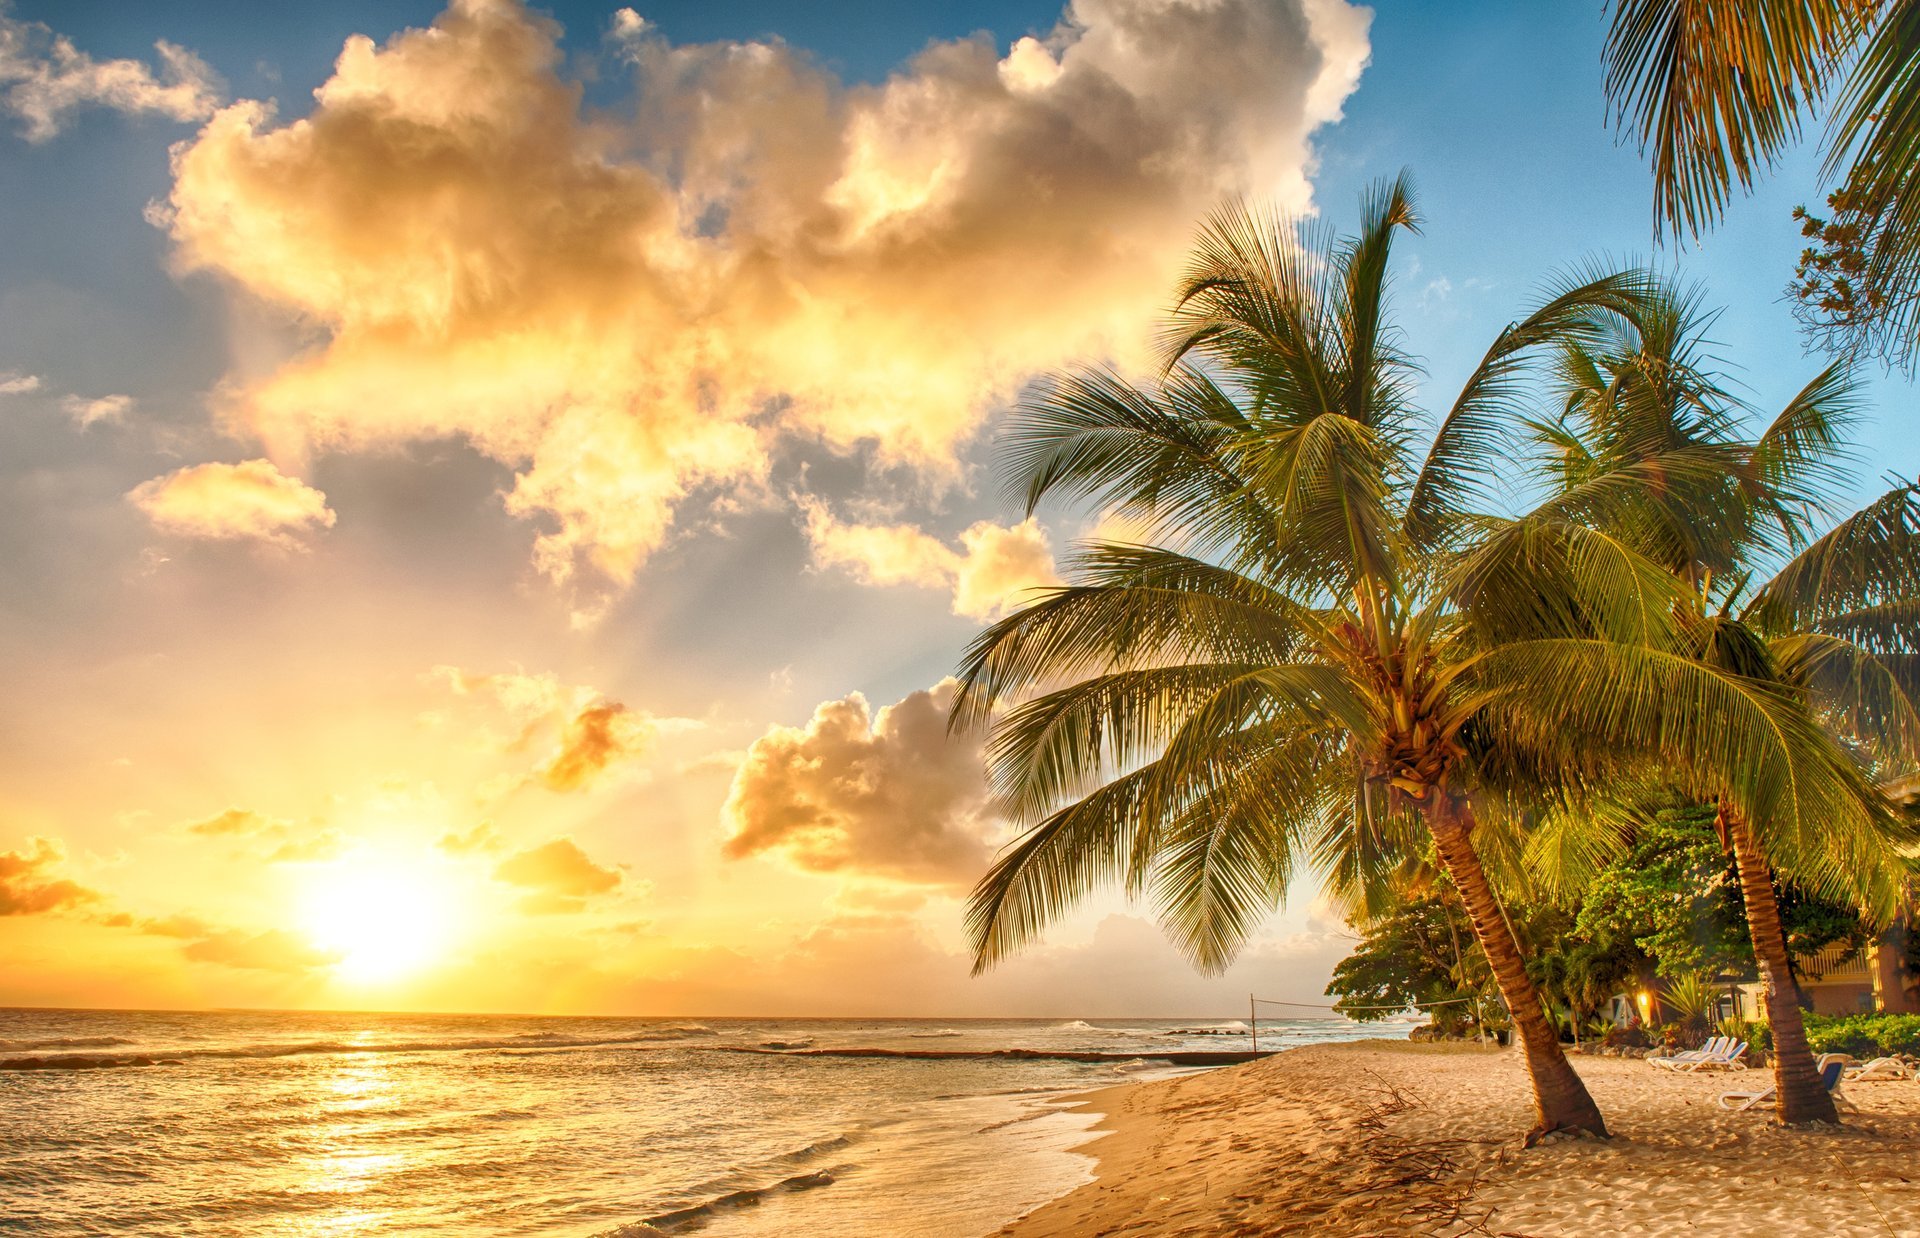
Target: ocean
256, 1123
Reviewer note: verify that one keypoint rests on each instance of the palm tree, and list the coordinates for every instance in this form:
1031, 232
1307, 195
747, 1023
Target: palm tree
1716, 91
1317, 654
1838, 625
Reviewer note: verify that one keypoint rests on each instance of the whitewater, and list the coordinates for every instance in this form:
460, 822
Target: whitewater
250, 1123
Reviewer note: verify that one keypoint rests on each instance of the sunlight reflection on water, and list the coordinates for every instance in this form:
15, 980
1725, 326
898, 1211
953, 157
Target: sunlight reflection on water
300, 1125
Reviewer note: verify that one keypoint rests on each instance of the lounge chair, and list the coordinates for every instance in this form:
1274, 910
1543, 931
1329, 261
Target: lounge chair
1832, 1067
1880, 1068
1727, 1059
1720, 1053
1688, 1055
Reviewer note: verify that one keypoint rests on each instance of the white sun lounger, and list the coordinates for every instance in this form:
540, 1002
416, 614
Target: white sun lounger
1880, 1068
1832, 1067
1720, 1053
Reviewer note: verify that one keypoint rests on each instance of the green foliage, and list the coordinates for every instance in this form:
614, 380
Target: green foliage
1690, 997
1420, 954
1864, 1035
1674, 897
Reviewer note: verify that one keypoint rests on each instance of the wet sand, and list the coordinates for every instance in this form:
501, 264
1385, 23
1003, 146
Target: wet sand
1396, 1138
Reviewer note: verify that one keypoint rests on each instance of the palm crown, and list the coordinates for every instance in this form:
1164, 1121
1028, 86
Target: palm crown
1316, 646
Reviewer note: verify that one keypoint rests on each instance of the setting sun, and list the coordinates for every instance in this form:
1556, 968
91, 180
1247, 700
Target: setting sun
384, 919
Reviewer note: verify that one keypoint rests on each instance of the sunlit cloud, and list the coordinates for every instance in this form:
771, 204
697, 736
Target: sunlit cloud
996, 568
633, 309
44, 78
29, 884
559, 876
13, 382
888, 794
249, 501
591, 735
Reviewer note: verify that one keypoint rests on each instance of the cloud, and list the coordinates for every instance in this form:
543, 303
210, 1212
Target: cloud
638, 307
593, 734
990, 574
43, 77
13, 382
251, 500
28, 886
265, 950
287, 843
234, 821
482, 839
560, 875
595, 738
87, 413
887, 795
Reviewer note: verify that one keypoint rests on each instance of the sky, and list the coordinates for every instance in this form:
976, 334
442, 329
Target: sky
490, 497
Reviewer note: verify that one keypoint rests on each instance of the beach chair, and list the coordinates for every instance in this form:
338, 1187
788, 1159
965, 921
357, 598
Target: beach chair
1712, 1048
1832, 1067
1727, 1059
1880, 1068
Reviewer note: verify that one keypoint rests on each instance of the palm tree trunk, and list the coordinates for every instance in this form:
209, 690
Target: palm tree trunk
1559, 1096
1796, 1080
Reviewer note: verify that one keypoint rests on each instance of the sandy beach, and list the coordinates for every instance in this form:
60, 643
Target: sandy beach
1396, 1138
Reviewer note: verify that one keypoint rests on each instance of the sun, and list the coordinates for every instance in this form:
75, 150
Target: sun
384, 918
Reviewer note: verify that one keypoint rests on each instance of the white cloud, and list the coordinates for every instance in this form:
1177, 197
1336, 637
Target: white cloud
44, 78
13, 382
87, 413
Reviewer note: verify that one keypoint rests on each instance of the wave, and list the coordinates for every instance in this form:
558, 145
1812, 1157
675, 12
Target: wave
525, 1042
701, 1213
1179, 1057
64, 1042
936, 1035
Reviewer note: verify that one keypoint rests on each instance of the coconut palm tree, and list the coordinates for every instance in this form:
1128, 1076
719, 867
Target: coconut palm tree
1716, 92
1837, 623
1315, 653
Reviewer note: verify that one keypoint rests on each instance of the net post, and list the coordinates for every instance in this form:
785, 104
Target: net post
1253, 1023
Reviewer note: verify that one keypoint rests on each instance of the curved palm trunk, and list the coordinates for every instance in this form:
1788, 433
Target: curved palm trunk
1796, 1080
1559, 1096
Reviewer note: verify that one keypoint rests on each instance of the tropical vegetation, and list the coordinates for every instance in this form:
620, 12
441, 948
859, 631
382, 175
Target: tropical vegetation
1324, 651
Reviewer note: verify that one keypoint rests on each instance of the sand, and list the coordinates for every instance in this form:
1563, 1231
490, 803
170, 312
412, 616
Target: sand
1396, 1138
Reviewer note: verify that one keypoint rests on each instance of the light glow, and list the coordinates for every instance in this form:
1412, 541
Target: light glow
386, 918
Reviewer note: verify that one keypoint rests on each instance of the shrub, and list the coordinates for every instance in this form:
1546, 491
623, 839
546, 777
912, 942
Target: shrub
1633, 1036
1864, 1035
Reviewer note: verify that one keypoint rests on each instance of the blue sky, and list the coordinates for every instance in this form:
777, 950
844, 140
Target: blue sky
494, 517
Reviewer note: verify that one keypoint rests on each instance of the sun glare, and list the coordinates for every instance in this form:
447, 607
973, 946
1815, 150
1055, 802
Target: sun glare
385, 919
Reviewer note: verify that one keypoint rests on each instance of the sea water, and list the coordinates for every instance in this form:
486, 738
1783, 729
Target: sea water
253, 1123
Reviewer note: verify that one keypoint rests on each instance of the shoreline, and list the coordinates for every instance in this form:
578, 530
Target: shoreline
1389, 1137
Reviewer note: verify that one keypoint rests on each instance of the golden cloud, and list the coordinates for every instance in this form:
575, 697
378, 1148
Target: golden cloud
888, 794
251, 500
28, 885
265, 950
560, 876
994, 571
594, 735
631, 308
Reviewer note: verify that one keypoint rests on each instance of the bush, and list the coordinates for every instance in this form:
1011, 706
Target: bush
1864, 1035
1632, 1037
